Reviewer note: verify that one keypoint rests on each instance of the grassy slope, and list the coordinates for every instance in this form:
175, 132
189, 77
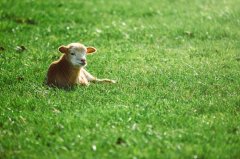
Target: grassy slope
177, 63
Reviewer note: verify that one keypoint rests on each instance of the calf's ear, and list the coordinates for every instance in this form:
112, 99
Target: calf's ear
63, 49
91, 50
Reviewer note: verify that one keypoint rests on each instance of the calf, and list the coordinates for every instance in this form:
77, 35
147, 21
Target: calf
69, 69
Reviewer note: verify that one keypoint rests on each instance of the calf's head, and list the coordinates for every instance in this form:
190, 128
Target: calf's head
75, 53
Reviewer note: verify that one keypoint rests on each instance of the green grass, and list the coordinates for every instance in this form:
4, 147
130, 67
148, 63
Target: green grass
177, 63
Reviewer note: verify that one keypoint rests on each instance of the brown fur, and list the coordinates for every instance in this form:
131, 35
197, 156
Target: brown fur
62, 74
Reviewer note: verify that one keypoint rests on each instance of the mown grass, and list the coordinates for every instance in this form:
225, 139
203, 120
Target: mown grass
178, 69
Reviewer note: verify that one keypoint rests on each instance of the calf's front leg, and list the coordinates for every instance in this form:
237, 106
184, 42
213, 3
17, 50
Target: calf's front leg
90, 78
104, 80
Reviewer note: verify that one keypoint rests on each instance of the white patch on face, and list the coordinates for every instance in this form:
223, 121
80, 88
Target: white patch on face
77, 54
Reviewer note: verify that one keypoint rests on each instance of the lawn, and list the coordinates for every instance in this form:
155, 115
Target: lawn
177, 63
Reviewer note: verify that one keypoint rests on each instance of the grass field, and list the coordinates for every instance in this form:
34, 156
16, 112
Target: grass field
177, 63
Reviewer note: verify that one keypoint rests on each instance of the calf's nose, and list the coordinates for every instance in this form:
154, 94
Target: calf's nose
83, 61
